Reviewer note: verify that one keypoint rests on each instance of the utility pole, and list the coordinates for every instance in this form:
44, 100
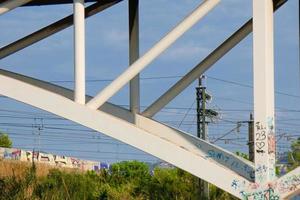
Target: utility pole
202, 128
251, 137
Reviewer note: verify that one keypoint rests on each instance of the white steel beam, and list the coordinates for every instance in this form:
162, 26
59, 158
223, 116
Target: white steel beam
263, 67
170, 151
198, 146
134, 85
109, 108
154, 52
193, 144
289, 184
79, 51
203, 66
53, 28
9, 5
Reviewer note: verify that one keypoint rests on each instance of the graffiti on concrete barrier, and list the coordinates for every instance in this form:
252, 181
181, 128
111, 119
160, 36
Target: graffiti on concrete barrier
50, 159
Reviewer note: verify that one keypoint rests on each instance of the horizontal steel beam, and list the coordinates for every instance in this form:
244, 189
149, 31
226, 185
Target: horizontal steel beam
53, 28
204, 65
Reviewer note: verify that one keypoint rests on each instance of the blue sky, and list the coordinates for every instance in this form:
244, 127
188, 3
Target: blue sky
107, 56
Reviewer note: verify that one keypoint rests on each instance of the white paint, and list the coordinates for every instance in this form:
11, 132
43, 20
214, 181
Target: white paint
79, 53
9, 5
263, 60
154, 52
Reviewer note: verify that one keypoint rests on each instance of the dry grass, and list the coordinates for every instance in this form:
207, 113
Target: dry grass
18, 169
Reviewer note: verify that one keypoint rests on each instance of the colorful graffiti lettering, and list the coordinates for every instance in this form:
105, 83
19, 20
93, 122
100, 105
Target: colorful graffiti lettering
54, 160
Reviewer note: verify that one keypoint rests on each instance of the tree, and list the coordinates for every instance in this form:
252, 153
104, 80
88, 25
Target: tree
294, 155
5, 141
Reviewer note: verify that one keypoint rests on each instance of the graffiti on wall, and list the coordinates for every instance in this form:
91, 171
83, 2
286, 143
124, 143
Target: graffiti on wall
50, 159
289, 184
261, 136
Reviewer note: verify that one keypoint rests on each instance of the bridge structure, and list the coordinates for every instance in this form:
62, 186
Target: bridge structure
239, 177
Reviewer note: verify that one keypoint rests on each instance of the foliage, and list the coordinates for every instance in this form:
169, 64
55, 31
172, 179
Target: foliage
124, 181
243, 155
5, 141
294, 155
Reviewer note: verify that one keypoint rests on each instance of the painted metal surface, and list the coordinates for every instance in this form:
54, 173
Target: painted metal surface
263, 69
79, 51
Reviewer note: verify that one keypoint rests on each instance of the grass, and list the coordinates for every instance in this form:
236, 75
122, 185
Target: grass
18, 169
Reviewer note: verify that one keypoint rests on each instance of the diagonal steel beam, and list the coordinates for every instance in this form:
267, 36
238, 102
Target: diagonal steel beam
203, 9
289, 184
109, 108
175, 152
204, 65
9, 5
191, 143
53, 28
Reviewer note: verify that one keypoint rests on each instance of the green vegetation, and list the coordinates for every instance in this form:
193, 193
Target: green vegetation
294, 155
5, 141
124, 181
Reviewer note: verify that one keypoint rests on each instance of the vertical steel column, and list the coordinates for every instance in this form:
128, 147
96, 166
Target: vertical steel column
134, 53
263, 60
79, 53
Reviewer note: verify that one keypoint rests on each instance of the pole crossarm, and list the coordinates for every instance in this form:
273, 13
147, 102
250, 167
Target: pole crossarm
203, 66
180, 155
133, 70
9, 5
53, 28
